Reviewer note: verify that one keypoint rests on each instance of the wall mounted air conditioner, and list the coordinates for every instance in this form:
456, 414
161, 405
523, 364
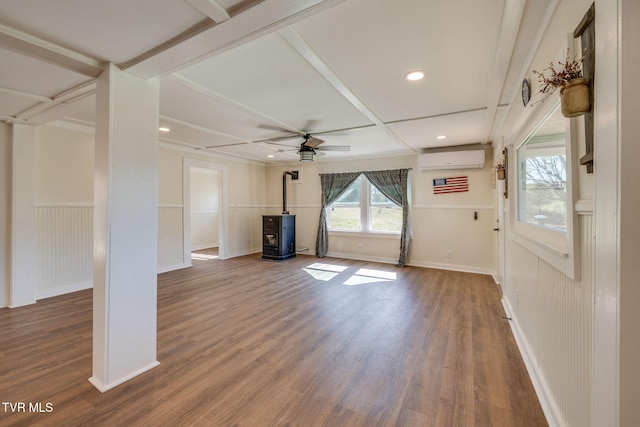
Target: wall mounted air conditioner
466, 159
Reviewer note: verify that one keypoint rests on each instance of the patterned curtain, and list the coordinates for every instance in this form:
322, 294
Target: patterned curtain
333, 185
393, 184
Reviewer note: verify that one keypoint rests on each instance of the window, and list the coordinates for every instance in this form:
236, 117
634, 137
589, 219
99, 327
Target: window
363, 208
543, 206
542, 176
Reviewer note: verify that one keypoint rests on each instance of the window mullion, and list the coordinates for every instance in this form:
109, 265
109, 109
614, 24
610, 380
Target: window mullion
364, 204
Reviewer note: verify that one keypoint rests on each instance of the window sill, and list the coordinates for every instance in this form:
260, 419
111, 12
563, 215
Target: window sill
558, 256
374, 234
536, 245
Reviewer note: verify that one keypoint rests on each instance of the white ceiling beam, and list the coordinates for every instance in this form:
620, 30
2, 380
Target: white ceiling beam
212, 9
295, 40
50, 53
265, 17
64, 103
21, 94
511, 18
549, 13
204, 129
231, 102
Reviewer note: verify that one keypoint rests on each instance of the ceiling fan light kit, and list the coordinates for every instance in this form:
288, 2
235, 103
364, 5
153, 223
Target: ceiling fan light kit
306, 153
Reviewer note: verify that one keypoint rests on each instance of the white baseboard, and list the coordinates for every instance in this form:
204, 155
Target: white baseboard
243, 253
453, 267
106, 387
64, 289
15, 304
539, 384
204, 246
382, 260
173, 267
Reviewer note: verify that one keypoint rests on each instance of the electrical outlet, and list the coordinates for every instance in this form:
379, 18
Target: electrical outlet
449, 253
359, 244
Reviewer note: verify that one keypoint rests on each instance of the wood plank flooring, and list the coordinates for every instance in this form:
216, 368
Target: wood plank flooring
247, 342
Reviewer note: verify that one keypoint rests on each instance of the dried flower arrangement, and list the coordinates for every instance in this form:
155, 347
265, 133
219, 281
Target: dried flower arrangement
571, 69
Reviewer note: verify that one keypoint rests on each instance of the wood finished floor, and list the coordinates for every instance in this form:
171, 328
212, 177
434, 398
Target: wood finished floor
246, 342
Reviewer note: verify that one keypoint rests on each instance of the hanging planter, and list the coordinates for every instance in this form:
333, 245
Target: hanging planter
574, 88
501, 167
575, 98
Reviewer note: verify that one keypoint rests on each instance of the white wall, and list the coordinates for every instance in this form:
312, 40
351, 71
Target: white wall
629, 244
439, 222
246, 200
64, 208
205, 212
553, 314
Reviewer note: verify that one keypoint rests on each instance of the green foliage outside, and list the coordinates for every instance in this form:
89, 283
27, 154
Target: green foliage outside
382, 218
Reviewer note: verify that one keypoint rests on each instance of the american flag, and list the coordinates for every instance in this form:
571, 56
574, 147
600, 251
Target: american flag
456, 184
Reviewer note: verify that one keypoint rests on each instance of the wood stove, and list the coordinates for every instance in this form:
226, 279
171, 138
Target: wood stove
278, 236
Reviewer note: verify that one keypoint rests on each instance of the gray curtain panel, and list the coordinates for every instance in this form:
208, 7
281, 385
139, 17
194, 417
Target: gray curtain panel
333, 185
393, 184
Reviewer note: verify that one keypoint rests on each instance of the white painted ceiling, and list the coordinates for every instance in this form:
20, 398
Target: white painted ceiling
238, 75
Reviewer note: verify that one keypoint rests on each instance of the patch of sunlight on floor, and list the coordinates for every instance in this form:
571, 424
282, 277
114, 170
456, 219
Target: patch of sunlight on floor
322, 275
389, 275
363, 280
203, 257
367, 275
324, 272
327, 267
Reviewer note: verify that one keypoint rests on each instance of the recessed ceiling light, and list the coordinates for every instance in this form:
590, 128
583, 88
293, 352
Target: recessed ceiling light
414, 75
163, 129
271, 156
441, 137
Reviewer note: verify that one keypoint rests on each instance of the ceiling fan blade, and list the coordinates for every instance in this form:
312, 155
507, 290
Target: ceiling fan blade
311, 123
284, 128
220, 146
271, 142
335, 148
279, 138
319, 153
313, 142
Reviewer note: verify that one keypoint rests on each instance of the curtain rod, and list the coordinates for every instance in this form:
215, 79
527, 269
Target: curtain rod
327, 173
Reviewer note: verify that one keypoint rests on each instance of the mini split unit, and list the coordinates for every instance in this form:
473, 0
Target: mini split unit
440, 160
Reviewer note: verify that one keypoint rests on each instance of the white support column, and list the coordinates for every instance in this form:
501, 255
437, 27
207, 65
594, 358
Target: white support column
5, 213
23, 238
125, 228
628, 213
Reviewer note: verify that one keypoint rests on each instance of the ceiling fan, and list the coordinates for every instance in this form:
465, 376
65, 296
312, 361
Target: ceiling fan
311, 146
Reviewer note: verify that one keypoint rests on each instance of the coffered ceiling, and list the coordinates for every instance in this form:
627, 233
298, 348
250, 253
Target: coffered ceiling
237, 76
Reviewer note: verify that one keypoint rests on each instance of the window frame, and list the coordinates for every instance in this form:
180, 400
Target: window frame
558, 248
365, 206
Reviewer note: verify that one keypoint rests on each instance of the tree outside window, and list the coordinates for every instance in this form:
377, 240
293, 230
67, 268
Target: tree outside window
364, 208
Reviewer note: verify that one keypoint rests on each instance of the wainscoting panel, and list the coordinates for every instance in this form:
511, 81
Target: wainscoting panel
65, 249
170, 237
553, 317
65, 246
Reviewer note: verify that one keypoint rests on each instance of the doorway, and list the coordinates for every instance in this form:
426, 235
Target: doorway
205, 208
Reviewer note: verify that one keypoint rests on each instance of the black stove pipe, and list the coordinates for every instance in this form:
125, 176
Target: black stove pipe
284, 192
